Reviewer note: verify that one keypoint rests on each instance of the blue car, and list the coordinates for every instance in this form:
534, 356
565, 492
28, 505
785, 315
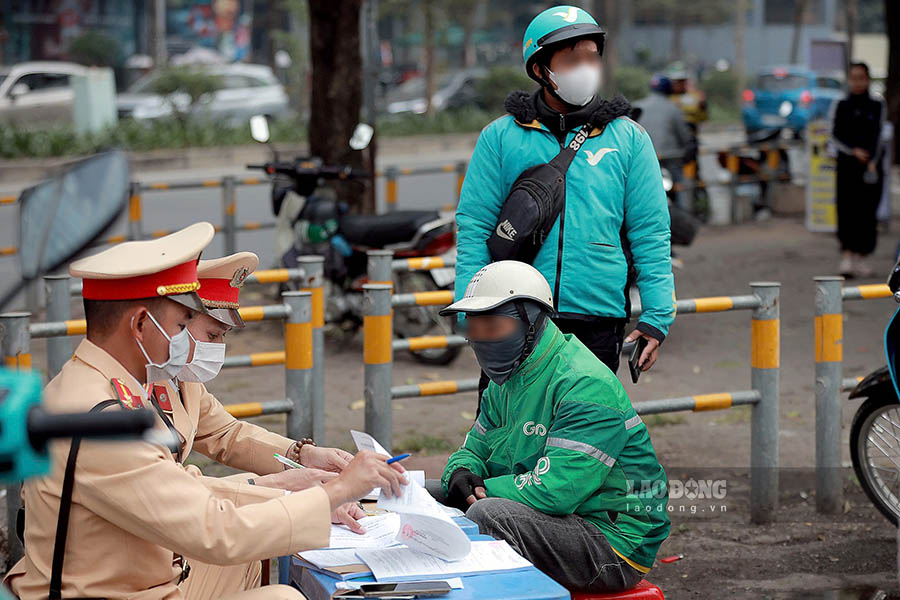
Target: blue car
784, 99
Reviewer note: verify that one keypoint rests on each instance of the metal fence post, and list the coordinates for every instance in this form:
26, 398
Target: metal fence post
390, 189
764, 378
298, 363
59, 308
378, 266
733, 164
15, 344
460, 177
829, 334
135, 213
377, 356
313, 277
229, 209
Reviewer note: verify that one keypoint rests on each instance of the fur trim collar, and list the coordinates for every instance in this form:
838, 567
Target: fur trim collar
521, 105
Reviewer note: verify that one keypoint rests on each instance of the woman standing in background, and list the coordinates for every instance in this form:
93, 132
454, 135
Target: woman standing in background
856, 131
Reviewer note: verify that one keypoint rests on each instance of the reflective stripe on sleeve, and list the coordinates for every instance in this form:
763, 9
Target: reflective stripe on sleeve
600, 455
479, 427
633, 422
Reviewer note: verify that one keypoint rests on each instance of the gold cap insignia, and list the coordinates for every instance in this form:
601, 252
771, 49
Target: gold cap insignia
239, 276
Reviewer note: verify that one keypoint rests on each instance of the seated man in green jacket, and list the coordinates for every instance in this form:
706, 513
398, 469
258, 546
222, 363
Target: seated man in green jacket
558, 463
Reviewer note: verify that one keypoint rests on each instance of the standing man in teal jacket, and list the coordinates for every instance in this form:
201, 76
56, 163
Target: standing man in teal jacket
558, 463
615, 213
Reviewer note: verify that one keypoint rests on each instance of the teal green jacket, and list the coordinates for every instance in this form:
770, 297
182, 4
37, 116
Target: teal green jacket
614, 181
561, 437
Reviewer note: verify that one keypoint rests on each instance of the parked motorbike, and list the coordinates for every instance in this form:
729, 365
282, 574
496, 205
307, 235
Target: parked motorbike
875, 431
309, 220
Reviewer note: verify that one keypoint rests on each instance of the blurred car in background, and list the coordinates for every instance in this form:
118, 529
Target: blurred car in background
246, 90
453, 90
37, 92
784, 99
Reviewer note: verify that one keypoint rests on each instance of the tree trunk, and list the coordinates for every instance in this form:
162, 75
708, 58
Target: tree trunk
851, 16
892, 87
799, 12
428, 49
740, 26
336, 91
611, 52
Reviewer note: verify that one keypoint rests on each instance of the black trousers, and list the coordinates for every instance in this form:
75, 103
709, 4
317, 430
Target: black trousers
602, 336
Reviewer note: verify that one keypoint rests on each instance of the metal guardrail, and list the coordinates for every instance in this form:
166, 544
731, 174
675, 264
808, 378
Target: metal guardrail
829, 382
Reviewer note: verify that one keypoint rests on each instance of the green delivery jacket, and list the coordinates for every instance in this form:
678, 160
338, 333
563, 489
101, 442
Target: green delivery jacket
562, 437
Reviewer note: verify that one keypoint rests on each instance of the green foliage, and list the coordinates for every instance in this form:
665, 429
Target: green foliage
446, 121
499, 82
188, 80
135, 136
95, 49
720, 87
633, 82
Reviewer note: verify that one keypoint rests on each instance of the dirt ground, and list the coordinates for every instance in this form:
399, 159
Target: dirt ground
801, 555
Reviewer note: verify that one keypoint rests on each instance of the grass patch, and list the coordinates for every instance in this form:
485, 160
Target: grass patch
663, 419
424, 444
734, 416
724, 114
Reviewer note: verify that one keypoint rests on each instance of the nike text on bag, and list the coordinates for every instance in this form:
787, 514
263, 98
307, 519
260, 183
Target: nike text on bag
533, 205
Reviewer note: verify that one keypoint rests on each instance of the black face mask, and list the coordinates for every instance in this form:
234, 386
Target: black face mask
499, 359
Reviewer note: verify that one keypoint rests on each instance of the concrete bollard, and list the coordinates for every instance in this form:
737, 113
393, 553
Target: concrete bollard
764, 378
135, 228
229, 208
829, 334
298, 363
59, 308
313, 278
15, 343
377, 356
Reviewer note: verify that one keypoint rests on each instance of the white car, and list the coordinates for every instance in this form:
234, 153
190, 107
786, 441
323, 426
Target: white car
37, 92
247, 90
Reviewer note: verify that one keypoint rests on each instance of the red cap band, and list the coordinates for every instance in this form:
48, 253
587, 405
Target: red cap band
179, 279
219, 293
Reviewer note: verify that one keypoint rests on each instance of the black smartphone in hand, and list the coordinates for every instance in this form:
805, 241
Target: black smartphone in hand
633, 362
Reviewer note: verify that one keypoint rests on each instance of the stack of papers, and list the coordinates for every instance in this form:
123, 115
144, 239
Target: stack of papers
405, 564
341, 564
424, 525
381, 532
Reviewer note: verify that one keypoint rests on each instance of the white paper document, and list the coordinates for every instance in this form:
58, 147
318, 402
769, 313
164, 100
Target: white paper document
381, 532
405, 564
324, 559
424, 525
364, 441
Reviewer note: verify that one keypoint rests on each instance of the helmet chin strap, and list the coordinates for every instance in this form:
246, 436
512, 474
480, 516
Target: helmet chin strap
531, 332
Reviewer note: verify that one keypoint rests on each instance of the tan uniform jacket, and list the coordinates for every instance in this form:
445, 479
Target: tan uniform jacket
205, 426
133, 506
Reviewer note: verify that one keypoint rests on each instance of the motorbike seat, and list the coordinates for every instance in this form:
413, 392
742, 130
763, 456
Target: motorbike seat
389, 228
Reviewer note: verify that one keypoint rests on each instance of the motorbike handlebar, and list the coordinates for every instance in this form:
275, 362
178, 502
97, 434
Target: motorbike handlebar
307, 168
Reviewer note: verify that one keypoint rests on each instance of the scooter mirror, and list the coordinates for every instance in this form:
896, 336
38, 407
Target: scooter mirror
259, 128
362, 136
894, 279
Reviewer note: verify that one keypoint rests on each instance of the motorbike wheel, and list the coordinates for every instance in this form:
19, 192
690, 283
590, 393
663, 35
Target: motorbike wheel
875, 450
423, 320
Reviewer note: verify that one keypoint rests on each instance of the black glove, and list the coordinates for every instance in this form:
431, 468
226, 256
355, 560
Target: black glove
461, 485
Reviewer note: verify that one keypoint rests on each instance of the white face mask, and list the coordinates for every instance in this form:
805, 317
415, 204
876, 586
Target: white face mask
206, 364
579, 85
179, 350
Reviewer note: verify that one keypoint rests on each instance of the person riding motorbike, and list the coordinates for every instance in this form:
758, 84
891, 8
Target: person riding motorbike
669, 131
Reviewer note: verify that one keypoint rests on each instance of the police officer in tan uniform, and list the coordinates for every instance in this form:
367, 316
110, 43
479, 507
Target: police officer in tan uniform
202, 423
137, 517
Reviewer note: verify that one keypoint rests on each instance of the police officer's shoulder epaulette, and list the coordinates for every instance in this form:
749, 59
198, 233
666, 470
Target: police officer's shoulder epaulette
128, 400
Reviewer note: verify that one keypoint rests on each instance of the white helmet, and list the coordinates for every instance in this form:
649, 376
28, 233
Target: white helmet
501, 282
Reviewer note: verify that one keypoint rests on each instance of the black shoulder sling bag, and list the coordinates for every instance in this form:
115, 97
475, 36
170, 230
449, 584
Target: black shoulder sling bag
65, 508
533, 205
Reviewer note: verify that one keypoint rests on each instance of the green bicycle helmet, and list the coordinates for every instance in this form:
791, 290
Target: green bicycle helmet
556, 25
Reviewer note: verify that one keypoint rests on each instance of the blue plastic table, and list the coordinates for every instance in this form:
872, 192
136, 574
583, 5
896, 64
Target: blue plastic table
527, 584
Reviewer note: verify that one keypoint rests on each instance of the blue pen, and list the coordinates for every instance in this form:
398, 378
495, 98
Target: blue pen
397, 458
